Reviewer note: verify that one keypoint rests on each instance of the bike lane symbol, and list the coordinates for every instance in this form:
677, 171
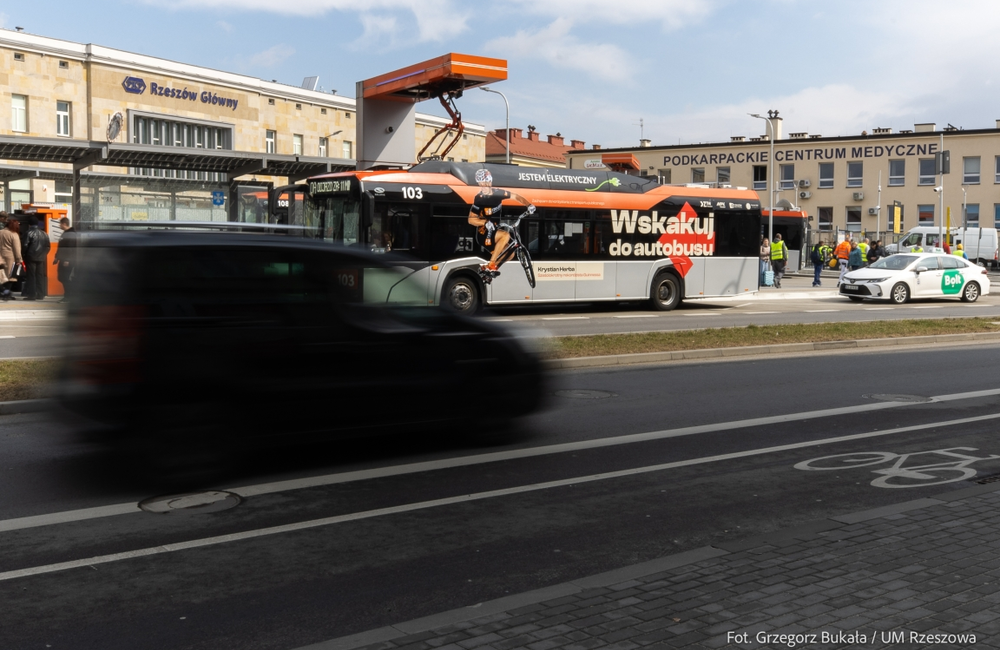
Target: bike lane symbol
902, 473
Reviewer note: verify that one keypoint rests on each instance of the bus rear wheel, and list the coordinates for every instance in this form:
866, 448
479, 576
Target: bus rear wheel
665, 294
461, 295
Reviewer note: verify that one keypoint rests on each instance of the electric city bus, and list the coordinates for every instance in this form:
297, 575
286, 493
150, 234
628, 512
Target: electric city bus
596, 235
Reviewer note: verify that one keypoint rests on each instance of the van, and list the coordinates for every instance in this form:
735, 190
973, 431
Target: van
980, 244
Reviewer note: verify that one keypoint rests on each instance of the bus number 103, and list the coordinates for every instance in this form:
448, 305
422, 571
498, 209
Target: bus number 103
413, 193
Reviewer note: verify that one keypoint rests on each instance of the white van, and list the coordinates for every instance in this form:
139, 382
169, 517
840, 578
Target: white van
980, 244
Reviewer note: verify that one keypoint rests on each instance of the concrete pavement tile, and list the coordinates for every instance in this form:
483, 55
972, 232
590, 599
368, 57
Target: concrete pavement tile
478, 641
983, 616
584, 644
547, 644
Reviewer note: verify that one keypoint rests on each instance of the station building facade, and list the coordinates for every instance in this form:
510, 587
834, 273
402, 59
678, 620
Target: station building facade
57, 89
836, 180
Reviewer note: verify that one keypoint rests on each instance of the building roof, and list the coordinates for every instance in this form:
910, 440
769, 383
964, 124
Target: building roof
550, 151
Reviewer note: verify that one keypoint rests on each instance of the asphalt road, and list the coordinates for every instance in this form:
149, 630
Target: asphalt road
625, 465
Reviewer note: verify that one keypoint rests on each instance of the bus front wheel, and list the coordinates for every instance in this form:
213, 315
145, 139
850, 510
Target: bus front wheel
461, 295
665, 294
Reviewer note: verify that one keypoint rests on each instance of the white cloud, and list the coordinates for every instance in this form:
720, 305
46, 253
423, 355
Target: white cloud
272, 57
3, 20
436, 20
555, 45
226, 27
672, 14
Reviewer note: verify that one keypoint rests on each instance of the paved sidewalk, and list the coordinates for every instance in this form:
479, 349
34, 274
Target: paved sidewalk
48, 308
920, 574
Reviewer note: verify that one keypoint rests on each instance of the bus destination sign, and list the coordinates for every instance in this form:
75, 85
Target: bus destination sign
330, 186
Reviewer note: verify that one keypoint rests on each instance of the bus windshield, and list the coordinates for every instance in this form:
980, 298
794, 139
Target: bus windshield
335, 218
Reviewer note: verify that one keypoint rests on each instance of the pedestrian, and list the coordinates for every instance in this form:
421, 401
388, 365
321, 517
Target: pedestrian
779, 257
817, 260
65, 259
876, 252
765, 258
10, 256
959, 252
864, 244
842, 252
855, 260
36, 255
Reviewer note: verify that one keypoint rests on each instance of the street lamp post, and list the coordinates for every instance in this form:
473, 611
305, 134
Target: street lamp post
770, 174
490, 90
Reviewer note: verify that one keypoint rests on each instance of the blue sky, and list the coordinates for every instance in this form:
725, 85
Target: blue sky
691, 70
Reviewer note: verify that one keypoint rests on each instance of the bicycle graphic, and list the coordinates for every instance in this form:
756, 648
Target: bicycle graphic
899, 475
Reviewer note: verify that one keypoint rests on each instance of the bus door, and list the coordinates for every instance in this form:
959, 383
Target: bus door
401, 228
565, 244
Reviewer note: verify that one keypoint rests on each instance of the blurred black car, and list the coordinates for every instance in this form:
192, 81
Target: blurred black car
181, 342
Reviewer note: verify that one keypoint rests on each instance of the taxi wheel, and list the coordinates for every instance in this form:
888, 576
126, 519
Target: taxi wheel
971, 292
900, 293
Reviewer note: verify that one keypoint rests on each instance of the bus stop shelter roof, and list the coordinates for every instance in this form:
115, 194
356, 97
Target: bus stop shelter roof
83, 154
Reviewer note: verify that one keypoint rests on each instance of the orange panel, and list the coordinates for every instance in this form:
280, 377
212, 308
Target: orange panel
620, 160
435, 77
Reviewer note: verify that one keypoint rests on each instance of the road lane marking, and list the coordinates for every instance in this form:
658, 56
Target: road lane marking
567, 318
759, 312
820, 311
480, 459
925, 306
705, 313
878, 308
638, 316
466, 498
7, 337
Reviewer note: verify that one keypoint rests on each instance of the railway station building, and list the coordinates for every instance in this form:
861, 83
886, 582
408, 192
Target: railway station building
836, 181
153, 139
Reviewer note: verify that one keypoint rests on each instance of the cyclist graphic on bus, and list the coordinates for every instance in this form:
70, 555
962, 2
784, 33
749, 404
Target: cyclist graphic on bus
492, 235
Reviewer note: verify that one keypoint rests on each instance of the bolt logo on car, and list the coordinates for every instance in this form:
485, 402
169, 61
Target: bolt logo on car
951, 282
134, 85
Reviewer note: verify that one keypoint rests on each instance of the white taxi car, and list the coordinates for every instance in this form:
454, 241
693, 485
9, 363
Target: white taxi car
917, 275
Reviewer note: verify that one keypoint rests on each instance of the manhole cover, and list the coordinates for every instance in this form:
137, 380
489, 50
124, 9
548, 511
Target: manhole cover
886, 397
584, 394
196, 502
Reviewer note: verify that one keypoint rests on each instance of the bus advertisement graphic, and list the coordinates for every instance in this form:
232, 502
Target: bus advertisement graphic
681, 237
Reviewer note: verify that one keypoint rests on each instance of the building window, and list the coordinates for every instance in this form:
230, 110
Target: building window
996, 215
19, 113
926, 172
855, 171
18, 56
298, 107
348, 149
665, 175
825, 175
323, 143
897, 173
270, 140
970, 168
297, 145
972, 215
996, 178
62, 119
697, 174
723, 174
854, 218
64, 65
787, 176
270, 101
322, 111
760, 177
925, 214
826, 218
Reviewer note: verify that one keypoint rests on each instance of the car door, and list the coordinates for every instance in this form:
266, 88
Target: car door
955, 273
928, 283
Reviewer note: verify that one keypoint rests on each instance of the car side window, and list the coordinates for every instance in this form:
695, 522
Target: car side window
930, 262
952, 262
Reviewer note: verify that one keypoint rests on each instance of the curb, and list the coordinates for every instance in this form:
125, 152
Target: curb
758, 350
32, 314
778, 538
26, 406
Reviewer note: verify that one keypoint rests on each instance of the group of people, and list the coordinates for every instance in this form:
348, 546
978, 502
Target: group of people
773, 257
24, 258
846, 256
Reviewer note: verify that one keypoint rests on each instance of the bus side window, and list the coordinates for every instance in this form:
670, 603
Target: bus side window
450, 233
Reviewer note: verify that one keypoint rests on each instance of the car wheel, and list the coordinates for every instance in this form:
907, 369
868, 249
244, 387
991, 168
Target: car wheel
665, 294
971, 292
856, 298
461, 295
900, 293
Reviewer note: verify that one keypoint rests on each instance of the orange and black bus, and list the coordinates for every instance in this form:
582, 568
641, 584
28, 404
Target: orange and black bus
596, 235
